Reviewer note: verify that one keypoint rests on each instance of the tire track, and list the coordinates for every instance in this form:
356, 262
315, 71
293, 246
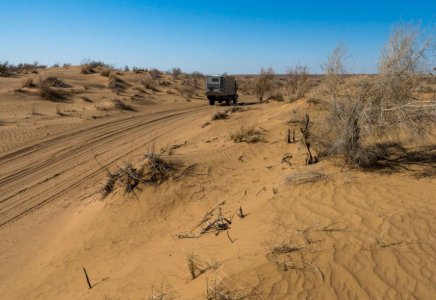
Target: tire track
39, 173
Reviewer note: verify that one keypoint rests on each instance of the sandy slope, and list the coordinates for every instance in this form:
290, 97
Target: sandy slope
354, 235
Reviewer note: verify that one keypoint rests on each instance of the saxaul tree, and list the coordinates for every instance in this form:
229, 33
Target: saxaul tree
264, 83
368, 108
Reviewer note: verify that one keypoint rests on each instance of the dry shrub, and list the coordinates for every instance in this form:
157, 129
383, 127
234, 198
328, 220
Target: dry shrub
234, 109
306, 177
105, 72
186, 89
121, 105
148, 82
276, 95
116, 84
155, 74
297, 82
197, 264
45, 90
263, 83
222, 291
370, 108
127, 177
27, 82
284, 247
248, 135
86, 69
176, 72
4, 70
157, 168
165, 292
219, 115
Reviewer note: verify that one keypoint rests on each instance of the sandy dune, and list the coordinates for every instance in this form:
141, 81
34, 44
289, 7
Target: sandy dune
310, 232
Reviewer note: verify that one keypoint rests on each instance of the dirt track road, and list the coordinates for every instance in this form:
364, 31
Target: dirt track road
42, 172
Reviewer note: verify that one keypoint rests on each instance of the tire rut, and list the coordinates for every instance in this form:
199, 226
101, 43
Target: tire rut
40, 173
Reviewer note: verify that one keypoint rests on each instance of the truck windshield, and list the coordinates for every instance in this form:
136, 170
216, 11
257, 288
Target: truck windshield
215, 80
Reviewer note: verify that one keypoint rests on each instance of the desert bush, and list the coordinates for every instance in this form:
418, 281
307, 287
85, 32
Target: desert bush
65, 65
306, 177
381, 106
26, 68
297, 82
105, 72
176, 72
186, 91
45, 90
263, 83
27, 82
87, 66
248, 135
197, 75
55, 65
121, 105
115, 84
219, 115
148, 82
53, 81
126, 68
155, 74
137, 70
4, 68
276, 95
126, 177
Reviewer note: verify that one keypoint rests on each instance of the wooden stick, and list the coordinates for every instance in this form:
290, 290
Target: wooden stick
87, 279
230, 238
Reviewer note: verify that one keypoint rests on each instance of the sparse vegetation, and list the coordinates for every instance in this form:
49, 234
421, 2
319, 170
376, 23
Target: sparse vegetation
121, 105
115, 84
248, 135
263, 83
186, 90
306, 177
380, 106
4, 68
297, 82
105, 72
148, 82
27, 82
44, 86
176, 72
219, 115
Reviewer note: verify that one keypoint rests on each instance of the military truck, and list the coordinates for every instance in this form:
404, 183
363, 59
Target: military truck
221, 88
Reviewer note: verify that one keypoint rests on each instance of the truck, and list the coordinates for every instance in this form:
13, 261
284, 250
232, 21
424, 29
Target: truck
221, 88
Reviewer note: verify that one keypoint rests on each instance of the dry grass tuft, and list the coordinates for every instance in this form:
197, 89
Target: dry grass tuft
248, 135
116, 84
121, 105
234, 109
163, 293
105, 72
197, 264
127, 177
45, 90
27, 82
219, 115
306, 177
148, 82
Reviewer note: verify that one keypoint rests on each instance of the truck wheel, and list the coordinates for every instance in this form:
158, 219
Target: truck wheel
212, 101
235, 100
228, 101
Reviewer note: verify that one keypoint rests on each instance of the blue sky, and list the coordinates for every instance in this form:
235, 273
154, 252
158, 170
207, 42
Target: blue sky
238, 37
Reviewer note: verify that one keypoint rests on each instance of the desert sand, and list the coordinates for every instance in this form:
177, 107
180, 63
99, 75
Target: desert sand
307, 232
